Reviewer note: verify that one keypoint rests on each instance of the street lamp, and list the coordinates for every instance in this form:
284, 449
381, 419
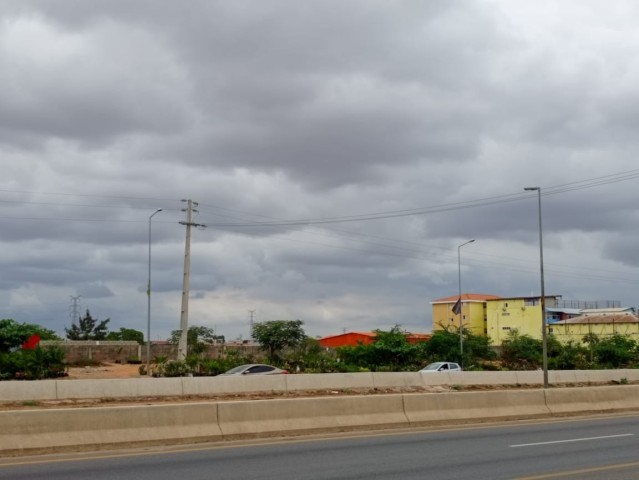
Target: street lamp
148, 308
542, 301
459, 305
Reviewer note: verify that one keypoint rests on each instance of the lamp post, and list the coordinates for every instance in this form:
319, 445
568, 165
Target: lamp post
461, 325
542, 301
148, 308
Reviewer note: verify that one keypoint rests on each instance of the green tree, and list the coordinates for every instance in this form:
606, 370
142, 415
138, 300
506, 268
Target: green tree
443, 346
14, 334
591, 340
392, 351
521, 352
126, 335
88, 328
615, 351
196, 335
568, 356
276, 335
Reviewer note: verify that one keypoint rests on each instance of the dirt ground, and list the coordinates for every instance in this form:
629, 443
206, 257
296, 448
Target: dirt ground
107, 370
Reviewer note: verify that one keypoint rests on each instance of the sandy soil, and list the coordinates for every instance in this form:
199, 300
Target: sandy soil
107, 370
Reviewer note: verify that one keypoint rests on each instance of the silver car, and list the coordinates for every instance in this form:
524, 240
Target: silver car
441, 367
255, 369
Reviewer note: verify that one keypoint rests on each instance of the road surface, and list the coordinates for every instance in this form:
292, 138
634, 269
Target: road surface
604, 447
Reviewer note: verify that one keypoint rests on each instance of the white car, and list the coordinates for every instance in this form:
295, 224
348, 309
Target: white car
255, 369
441, 367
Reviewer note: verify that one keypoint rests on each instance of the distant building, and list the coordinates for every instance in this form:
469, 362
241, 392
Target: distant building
603, 325
352, 339
492, 315
517, 313
347, 339
473, 312
496, 317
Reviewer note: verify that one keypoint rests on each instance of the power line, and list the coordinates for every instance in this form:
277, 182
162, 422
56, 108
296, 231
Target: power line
446, 207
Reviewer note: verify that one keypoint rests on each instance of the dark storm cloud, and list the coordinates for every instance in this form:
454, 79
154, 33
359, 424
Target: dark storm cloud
283, 110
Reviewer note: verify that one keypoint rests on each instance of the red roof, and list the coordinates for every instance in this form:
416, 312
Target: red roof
348, 338
467, 297
365, 338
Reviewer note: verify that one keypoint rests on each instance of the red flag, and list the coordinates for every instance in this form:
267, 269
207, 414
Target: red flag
32, 342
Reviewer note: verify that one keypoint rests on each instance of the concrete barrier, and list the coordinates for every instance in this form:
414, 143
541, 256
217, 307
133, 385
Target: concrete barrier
422, 408
592, 399
562, 376
85, 427
26, 431
120, 388
400, 379
233, 384
469, 378
310, 414
329, 381
21, 391
16, 391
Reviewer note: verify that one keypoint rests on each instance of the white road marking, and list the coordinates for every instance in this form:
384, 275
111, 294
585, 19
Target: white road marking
572, 440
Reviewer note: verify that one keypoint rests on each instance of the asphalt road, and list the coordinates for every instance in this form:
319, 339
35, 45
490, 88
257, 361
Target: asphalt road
595, 448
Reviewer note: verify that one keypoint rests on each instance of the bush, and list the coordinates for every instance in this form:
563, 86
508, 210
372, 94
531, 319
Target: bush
521, 352
33, 364
616, 351
172, 368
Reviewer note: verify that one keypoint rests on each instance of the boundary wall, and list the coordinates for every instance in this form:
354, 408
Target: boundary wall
44, 430
17, 391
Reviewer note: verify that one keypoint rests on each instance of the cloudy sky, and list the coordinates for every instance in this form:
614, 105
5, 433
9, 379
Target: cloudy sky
340, 152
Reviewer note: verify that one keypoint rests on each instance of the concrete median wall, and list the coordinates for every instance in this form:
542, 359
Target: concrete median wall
16, 391
592, 399
310, 414
475, 405
26, 431
86, 427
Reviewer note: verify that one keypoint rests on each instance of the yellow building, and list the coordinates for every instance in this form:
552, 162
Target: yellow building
473, 312
492, 315
603, 325
523, 314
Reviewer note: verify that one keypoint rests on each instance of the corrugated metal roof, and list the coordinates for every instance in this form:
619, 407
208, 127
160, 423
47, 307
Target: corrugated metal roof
602, 311
569, 311
585, 319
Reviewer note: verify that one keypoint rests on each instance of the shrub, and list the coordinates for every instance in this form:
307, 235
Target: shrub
33, 364
172, 368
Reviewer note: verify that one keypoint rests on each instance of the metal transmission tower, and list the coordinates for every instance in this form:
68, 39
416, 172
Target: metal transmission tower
251, 322
74, 307
184, 316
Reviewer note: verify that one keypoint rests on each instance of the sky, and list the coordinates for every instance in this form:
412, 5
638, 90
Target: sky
340, 153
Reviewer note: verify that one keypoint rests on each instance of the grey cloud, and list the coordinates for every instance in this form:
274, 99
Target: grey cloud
292, 110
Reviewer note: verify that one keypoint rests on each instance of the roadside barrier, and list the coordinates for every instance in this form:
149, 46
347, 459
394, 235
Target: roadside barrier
39, 430
17, 391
